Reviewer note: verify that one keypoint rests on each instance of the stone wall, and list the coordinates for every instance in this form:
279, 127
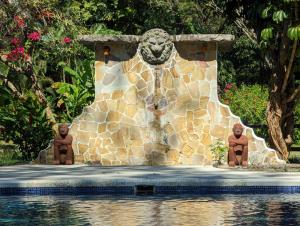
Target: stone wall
164, 114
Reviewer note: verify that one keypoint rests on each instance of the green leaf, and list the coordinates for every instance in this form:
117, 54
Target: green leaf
267, 33
55, 85
263, 44
40, 67
4, 69
71, 71
46, 38
61, 64
64, 88
51, 91
294, 33
279, 16
265, 12
60, 32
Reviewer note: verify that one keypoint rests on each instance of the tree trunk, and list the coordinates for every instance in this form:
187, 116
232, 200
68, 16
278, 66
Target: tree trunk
280, 120
276, 109
280, 110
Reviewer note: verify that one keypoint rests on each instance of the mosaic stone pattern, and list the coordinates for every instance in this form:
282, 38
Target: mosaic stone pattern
165, 114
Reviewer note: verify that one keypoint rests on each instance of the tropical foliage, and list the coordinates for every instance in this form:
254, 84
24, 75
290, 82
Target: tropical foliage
250, 103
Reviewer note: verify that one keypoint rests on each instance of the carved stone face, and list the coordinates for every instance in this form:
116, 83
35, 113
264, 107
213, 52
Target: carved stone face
156, 46
237, 130
63, 129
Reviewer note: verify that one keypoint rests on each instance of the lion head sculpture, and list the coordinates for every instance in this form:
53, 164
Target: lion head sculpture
156, 46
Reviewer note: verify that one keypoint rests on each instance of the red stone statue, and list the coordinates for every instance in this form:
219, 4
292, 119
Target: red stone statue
63, 152
238, 147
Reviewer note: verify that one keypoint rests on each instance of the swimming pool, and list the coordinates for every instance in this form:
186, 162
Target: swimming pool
264, 209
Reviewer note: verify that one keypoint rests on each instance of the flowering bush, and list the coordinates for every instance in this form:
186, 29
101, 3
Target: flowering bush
31, 46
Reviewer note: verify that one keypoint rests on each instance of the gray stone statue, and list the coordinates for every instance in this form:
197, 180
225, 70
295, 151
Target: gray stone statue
156, 46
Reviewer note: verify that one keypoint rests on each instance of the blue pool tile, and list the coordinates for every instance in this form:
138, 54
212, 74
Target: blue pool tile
68, 191
158, 190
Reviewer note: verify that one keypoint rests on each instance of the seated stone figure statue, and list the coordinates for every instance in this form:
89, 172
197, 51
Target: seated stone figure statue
63, 146
238, 147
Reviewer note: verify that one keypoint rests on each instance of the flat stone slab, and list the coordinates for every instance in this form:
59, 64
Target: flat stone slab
224, 41
88, 39
174, 38
32, 176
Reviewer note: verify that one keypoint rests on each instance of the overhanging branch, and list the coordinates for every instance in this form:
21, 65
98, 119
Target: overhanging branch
13, 88
288, 70
238, 21
295, 95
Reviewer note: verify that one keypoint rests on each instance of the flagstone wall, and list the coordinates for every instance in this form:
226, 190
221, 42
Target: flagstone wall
165, 114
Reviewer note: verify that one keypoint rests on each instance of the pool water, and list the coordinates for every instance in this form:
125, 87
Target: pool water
278, 209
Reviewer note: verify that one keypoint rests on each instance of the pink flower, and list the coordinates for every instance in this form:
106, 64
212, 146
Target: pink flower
15, 54
20, 22
20, 50
228, 86
12, 57
15, 41
67, 40
34, 36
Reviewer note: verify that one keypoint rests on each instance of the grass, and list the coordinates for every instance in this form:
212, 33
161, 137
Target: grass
9, 158
294, 157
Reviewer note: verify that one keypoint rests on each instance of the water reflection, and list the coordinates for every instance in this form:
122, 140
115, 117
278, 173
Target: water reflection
166, 211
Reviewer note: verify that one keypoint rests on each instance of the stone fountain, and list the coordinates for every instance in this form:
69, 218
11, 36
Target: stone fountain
156, 102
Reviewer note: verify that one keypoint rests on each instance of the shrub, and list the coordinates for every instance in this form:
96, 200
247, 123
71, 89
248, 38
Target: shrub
218, 150
26, 125
249, 103
72, 97
35, 37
